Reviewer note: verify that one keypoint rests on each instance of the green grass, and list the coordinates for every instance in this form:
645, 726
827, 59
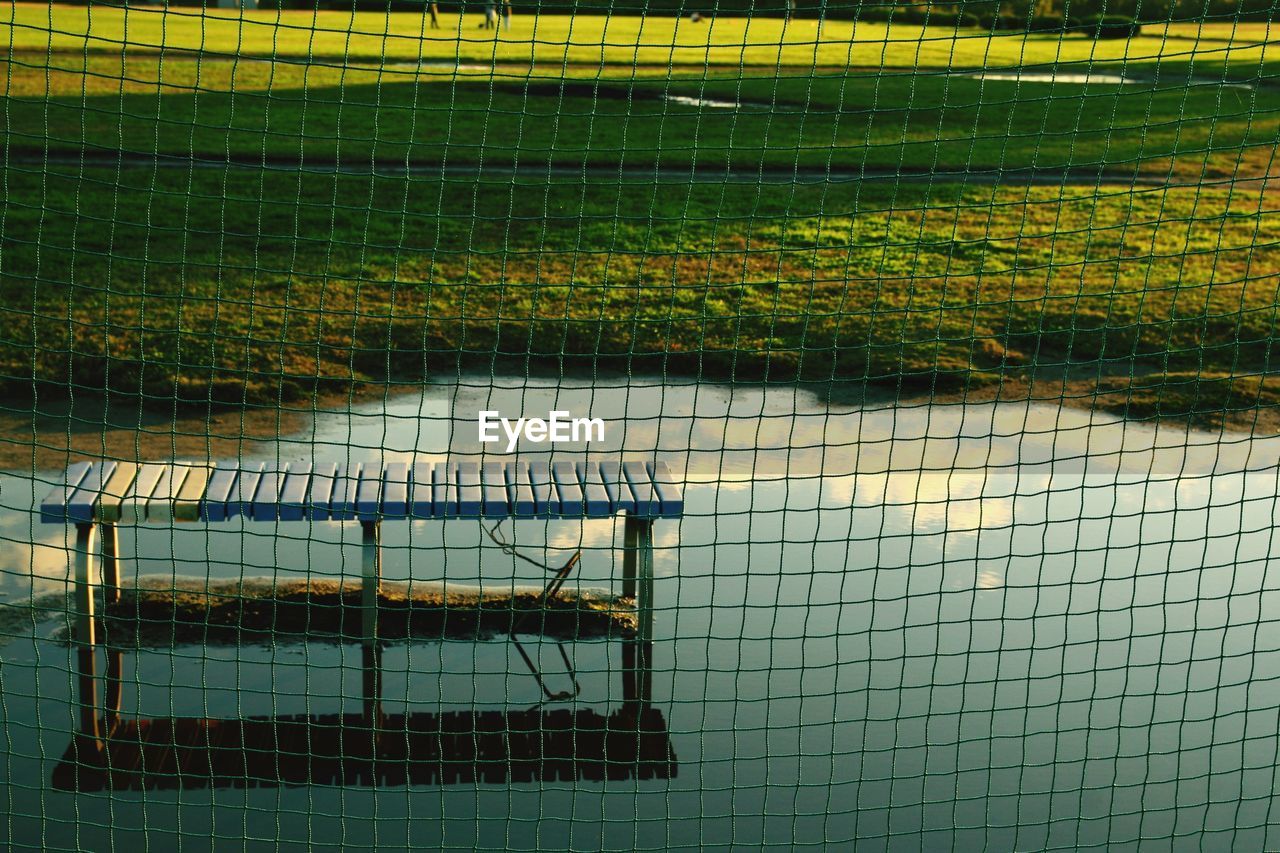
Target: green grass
265, 285
351, 88
595, 40
837, 120
261, 284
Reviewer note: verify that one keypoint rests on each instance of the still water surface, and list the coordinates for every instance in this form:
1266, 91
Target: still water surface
1000, 625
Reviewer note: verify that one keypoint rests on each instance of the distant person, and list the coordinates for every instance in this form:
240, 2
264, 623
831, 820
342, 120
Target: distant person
490, 14
506, 14
434, 9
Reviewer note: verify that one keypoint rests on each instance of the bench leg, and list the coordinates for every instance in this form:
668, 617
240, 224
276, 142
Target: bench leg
372, 581
111, 595
86, 632
111, 562
114, 693
637, 583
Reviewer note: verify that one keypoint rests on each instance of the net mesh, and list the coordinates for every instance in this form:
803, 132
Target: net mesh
953, 321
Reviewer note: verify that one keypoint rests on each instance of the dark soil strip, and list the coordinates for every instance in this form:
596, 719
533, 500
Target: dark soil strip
453, 747
19, 156
234, 612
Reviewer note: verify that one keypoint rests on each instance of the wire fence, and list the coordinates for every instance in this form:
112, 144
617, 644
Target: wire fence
657, 426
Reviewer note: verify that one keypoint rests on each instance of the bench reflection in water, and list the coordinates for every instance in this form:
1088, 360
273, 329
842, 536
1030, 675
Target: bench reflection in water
421, 749
460, 746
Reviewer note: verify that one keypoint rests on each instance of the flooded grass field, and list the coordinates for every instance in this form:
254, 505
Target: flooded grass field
991, 625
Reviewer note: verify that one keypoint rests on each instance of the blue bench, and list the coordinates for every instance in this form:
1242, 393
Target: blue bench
123, 492
100, 496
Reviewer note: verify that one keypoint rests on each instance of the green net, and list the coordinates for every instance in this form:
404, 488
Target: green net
951, 323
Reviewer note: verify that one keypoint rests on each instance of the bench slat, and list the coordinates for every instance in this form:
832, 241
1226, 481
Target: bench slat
544, 491
598, 504
422, 504
440, 490
395, 490
133, 508
569, 488
647, 505
447, 497
82, 500
217, 493
669, 493
470, 498
160, 504
240, 502
369, 492
108, 509
524, 503
320, 494
53, 509
615, 484
342, 504
266, 499
293, 492
186, 506
497, 503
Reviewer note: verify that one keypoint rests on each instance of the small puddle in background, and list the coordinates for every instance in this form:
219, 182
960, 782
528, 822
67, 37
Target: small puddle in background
1051, 77
1094, 79
572, 89
607, 92
687, 101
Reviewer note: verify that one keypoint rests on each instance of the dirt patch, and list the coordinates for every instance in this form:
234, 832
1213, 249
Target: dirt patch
1247, 403
53, 435
162, 612
605, 92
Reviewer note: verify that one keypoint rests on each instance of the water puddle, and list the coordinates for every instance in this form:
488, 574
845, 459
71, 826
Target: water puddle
706, 103
596, 91
866, 591
1055, 77
1095, 79
605, 92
